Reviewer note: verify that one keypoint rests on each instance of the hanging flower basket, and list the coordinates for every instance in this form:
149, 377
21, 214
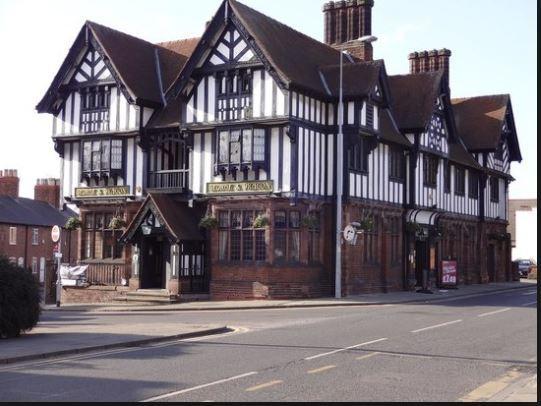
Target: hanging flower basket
261, 222
73, 223
208, 222
367, 225
117, 223
413, 227
310, 221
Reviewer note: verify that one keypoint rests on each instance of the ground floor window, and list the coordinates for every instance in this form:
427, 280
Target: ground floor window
370, 253
396, 240
99, 241
314, 251
239, 240
287, 236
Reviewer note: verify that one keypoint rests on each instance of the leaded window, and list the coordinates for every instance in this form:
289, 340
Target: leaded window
287, 236
99, 241
494, 190
238, 147
473, 185
396, 165
239, 240
358, 154
234, 101
430, 169
101, 157
460, 181
95, 102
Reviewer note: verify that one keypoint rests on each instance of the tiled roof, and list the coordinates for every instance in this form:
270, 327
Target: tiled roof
30, 212
360, 78
414, 97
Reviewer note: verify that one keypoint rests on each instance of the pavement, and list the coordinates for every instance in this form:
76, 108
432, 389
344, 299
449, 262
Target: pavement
470, 348
361, 300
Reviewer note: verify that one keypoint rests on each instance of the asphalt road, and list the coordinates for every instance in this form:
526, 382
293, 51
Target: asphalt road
417, 352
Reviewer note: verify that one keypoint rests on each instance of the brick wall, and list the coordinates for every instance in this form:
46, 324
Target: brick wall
92, 294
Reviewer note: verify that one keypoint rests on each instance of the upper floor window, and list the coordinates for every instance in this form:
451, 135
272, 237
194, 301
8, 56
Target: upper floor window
430, 168
234, 101
460, 181
473, 185
396, 165
495, 190
358, 155
447, 177
241, 146
13, 236
35, 236
95, 102
101, 156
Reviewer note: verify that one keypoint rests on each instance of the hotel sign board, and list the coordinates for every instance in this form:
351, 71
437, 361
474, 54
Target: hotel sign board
240, 188
102, 192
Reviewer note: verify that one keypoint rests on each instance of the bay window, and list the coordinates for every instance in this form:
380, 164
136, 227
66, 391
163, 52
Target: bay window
102, 157
241, 147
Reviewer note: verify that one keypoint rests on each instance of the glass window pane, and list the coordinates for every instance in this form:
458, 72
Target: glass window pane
235, 245
223, 245
235, 147
294, 246
280, 219
98, 245
223, 218
96, 155
247, 145
280, 245
259, 145
116, 156
236, 219
105, 152
87, 156
248, 246
248, 219
294, 219
224, 147
260, 246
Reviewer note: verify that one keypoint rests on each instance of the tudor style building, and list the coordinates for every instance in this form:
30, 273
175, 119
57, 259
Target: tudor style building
237, 131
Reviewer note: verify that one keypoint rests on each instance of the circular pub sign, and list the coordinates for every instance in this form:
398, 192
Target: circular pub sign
55, 234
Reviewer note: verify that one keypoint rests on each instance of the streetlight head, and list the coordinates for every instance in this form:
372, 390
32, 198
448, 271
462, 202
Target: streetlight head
368, 38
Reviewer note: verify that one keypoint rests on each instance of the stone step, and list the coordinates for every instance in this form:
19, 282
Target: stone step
150, 296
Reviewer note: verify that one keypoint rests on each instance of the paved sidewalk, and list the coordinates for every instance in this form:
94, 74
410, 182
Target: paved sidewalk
67, 337
524, 390
362, 300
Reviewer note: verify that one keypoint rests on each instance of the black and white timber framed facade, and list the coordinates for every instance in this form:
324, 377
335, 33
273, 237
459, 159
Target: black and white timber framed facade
237, 131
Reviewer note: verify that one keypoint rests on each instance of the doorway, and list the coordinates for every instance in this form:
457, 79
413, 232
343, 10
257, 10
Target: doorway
154, 258
491, 263
421, 261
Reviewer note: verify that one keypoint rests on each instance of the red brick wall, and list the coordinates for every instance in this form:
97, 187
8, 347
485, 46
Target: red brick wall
92, 294
9, 183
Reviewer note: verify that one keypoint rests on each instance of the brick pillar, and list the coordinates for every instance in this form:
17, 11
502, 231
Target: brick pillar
48, 191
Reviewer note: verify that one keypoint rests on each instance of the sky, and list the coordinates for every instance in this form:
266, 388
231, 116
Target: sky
494, 45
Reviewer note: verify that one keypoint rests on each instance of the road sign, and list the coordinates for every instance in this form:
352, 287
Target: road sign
55, 234
58, 255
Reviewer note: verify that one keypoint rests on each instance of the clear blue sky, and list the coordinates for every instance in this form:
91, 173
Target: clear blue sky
494, 44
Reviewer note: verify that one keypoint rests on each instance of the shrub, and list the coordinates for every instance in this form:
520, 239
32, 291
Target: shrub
19, 300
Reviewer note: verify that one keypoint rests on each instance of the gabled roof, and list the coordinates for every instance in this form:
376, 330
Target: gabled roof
360, 78
414, 97
480, 121
389, 130
180, 221
295, 57
30, 212
133, 62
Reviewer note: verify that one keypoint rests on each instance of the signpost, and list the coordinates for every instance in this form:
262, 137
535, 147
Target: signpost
449, 274
56, 237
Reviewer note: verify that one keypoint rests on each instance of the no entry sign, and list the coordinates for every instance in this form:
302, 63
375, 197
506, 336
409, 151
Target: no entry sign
55, 234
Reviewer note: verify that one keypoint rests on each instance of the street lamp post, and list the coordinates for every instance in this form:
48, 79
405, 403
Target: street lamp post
340, 172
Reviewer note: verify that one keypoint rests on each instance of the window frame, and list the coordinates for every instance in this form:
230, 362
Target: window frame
35, 236
244, 163
13, 236
102, 170
289, 230
447, 167
460, 181
227, 228
494, 191
96, 230
430, 171
473, 185
101, 102
397, 160
358, 155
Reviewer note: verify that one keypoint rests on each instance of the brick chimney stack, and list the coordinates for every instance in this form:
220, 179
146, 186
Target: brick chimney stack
9, 183
345, 23
48, 191
431, 61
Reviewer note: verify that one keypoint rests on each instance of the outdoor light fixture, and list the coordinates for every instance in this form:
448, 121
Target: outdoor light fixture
146, 229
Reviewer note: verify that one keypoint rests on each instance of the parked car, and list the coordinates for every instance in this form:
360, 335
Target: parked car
524, 266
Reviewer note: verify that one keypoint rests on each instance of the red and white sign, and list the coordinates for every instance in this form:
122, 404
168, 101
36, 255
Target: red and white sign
55, 234
449, 273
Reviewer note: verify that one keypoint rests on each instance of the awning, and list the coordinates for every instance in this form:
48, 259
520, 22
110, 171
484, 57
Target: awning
423, 217
179, 221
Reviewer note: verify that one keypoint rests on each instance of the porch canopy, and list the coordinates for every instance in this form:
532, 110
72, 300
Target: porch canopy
179, 221
423, 217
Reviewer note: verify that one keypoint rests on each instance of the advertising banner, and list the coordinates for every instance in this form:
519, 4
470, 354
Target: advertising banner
449, 273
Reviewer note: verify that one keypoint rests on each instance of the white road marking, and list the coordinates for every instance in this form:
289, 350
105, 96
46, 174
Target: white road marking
344, 349
264, 386
529, 304
530, 293
495, 312
437, 326
180, 392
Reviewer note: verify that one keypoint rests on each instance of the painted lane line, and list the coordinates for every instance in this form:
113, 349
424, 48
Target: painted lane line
437, 326
368, 356
322, 369
495, 312
181, 392
530, 293
529, 304
264, 386
344, 349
